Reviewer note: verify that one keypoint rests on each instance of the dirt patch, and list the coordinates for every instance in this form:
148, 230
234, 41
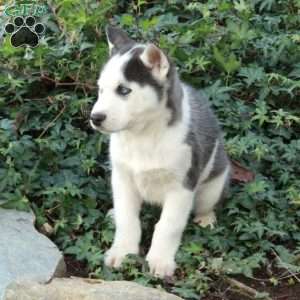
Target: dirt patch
282, 291
222, 291
75, 268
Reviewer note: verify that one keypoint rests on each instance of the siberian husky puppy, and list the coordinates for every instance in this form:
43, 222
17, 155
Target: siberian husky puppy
165, 148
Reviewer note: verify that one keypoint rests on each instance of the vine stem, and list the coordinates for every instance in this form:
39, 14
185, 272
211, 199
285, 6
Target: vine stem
244, 289
52, 122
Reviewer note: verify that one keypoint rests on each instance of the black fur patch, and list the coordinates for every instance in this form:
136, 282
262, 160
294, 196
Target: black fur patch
202, 136
193, 173
136, 71
175, 95
118, 38
123, 49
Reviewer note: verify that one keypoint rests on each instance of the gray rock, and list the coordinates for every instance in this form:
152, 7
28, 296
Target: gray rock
84, 289
25, 254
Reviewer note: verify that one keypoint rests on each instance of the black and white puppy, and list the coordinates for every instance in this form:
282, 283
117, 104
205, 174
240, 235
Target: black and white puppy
165, 148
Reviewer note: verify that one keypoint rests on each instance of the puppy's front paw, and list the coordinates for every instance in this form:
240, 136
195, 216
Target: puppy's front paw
161, 266
114, 257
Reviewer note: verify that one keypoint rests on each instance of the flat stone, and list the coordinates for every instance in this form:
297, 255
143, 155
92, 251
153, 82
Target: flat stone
84, 289
25, 254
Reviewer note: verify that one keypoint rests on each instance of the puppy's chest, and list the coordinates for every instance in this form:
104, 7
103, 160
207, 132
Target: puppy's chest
155, 167
154, 184
153, 171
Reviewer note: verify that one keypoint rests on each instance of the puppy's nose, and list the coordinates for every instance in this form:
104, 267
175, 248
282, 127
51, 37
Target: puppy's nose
97, 118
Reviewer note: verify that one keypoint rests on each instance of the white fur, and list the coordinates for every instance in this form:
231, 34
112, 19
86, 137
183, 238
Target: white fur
110, 46
210, 164
149, 162
209, 193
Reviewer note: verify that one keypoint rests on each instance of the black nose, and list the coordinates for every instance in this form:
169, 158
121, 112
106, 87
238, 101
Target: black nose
97, 119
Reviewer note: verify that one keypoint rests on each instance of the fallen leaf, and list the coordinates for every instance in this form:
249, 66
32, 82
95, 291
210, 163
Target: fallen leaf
240, 173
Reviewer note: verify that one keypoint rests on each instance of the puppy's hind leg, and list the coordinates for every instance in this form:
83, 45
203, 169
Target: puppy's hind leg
209, 194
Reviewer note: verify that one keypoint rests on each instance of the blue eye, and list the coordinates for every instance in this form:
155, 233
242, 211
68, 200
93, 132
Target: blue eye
122, 90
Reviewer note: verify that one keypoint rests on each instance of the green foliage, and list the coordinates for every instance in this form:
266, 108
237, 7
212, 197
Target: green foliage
244, 54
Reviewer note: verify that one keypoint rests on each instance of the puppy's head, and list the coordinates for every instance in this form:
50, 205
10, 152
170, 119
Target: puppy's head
131, 84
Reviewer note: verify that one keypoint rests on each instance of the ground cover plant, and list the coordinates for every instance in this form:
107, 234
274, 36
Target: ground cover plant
244, 54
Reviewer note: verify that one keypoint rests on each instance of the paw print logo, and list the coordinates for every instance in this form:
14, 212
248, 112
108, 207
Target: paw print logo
25, 32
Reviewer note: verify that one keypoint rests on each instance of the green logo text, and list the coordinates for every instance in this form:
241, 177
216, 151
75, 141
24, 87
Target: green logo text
25, 9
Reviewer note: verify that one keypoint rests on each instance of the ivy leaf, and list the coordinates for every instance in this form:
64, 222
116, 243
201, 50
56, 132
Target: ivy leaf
228, 63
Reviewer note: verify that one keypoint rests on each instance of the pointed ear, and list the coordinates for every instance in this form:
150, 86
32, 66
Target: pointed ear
156, 60
116, 38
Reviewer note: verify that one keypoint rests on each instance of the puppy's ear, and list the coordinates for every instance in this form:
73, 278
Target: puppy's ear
156, 60
116, 38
